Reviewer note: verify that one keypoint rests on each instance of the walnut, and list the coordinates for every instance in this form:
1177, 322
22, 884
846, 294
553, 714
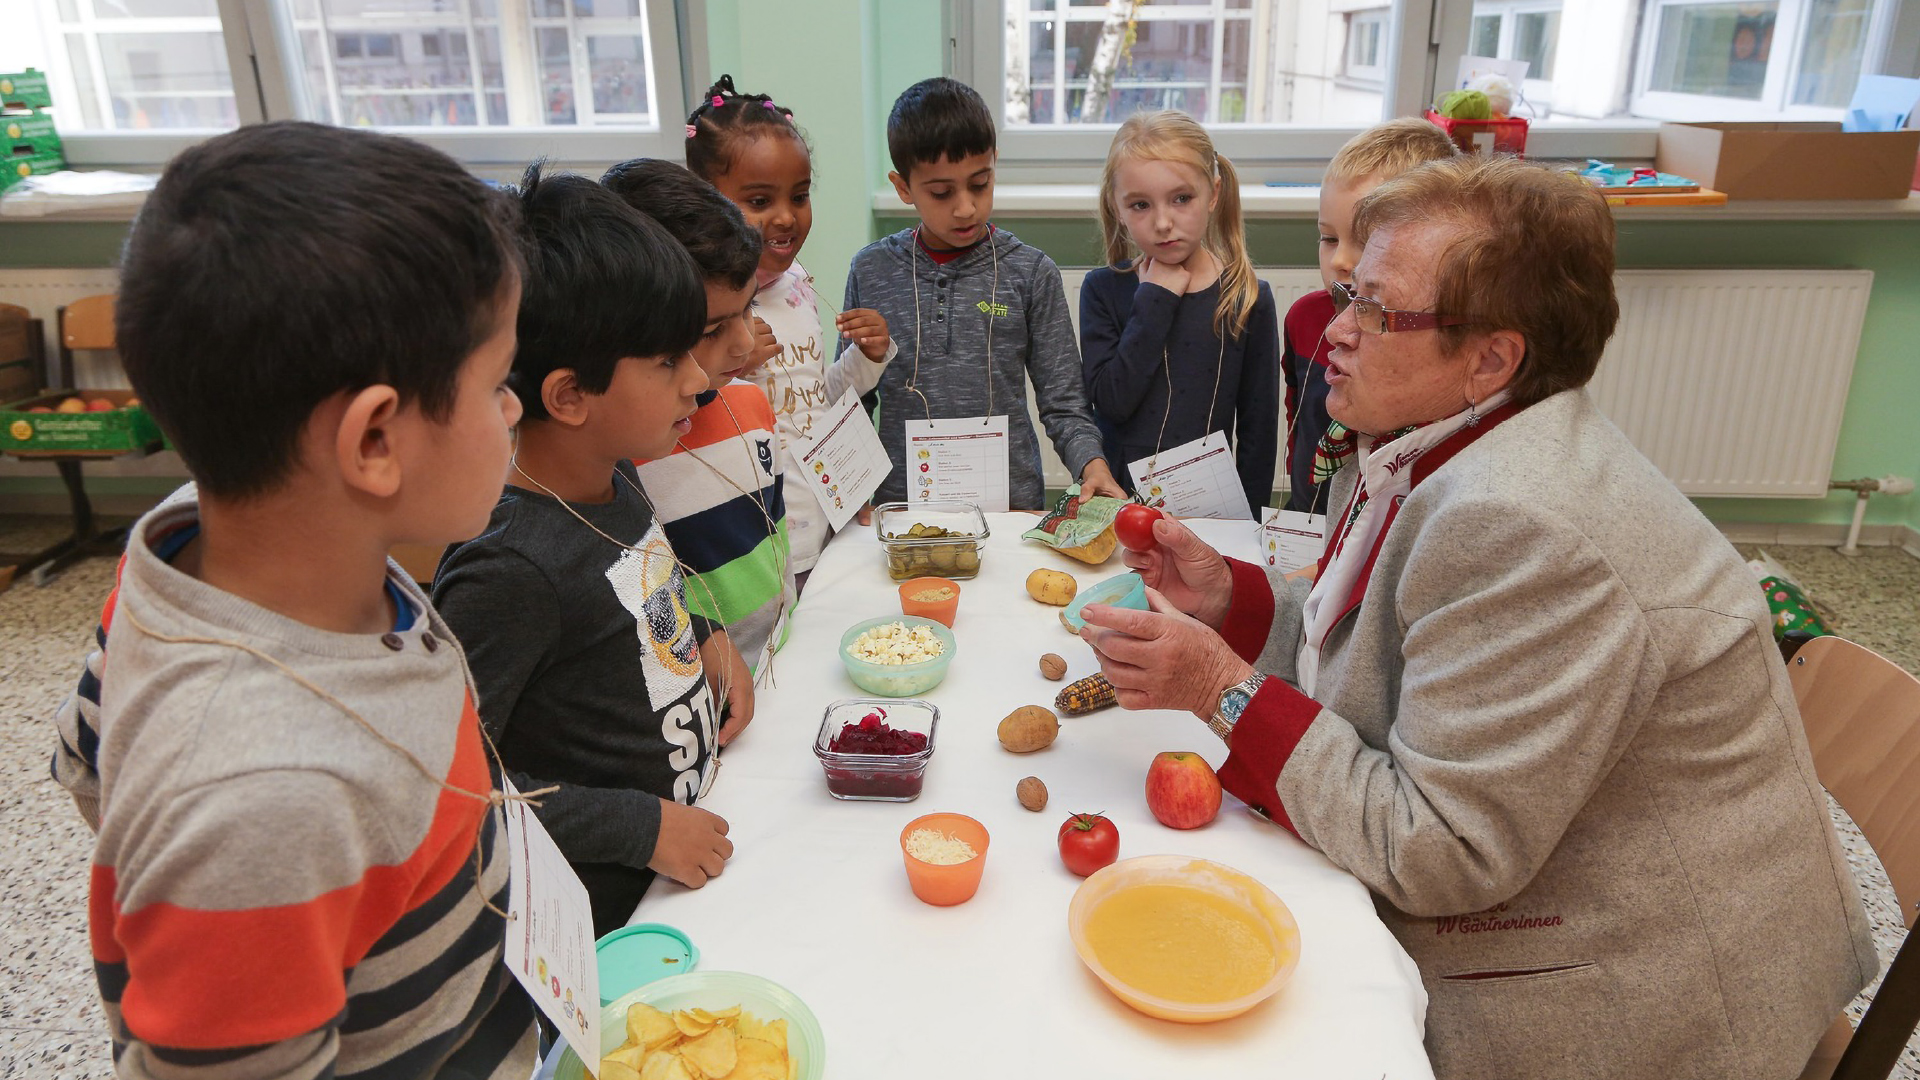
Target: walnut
1032, 793
1053, 666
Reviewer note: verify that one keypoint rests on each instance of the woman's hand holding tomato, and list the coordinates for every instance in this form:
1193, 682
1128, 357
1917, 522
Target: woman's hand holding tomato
1191, 575
1088, 842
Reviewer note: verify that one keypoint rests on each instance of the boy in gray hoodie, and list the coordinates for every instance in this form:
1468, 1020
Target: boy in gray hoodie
975, 311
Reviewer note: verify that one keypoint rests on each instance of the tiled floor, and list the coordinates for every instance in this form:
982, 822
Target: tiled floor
50, 1021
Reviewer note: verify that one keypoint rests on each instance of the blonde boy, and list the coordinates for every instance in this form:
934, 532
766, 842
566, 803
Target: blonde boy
1368, 160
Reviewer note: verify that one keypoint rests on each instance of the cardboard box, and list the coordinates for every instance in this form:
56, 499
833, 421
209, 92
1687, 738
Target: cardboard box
1507, 136
25, 90
120, 429
1790, 161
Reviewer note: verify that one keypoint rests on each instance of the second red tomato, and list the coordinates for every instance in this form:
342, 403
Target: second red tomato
1088, 842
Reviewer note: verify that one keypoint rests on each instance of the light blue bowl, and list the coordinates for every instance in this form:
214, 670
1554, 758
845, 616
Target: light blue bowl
1127, 590
898, 680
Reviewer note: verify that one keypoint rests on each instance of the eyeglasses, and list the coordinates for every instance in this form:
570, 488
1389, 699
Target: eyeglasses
1376, 318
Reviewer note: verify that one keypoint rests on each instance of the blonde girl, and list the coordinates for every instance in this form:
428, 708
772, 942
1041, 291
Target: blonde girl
1178, 338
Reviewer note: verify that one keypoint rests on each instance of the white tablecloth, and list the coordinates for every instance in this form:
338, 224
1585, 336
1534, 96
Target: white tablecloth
816, 897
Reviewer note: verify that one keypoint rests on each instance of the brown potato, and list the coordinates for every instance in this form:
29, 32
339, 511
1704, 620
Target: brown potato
1052, 587
1029, 728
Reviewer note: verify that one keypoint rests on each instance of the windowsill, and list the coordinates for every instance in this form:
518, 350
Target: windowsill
1303, 203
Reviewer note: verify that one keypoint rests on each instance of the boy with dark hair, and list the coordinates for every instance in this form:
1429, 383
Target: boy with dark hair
297, 870
976, 312
593, 674
720, 492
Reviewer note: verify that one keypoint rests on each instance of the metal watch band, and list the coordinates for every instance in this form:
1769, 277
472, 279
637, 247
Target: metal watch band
1233, 701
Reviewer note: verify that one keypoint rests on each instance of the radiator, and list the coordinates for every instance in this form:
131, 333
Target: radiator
1732, 382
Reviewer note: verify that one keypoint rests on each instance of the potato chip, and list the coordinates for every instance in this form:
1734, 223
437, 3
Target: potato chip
614, 1070
657, 1064
712, 1053
629, 1054
679, 1071
649, 1027
690, 1025
768, 1031
758, 1060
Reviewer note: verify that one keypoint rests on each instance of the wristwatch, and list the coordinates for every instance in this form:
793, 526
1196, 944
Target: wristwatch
1233, 701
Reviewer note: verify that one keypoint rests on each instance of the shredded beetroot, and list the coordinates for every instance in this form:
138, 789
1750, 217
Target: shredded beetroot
872, 736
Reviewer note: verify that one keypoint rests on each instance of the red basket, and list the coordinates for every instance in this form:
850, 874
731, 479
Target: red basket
1507, 136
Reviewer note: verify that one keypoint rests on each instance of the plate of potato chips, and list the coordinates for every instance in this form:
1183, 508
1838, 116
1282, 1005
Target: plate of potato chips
706, 1025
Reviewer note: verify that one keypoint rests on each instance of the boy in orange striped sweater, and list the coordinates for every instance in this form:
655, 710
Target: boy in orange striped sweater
298, 872
721, 493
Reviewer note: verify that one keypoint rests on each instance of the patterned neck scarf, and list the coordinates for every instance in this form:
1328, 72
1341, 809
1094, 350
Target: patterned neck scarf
1337, 445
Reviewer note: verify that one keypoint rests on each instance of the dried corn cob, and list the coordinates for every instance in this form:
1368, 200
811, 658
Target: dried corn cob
1086, 695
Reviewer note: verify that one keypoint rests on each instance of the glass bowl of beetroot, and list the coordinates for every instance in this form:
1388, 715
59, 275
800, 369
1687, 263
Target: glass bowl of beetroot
876, 749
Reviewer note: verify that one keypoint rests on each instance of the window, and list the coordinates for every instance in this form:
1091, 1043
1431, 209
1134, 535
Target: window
132, 65
521, 63
1367, 46
1757, 60
487, 80
1223, 61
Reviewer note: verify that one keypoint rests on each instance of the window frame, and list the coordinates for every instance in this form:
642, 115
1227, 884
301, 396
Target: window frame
1537, 90
1374, 74
974, 36
261, 40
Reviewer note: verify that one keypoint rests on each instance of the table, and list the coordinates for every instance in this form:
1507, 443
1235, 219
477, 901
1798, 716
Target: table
816, 897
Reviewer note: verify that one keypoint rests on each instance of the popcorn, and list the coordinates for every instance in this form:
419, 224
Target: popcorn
896, 643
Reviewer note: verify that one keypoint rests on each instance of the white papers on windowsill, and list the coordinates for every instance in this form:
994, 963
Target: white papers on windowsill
72, 193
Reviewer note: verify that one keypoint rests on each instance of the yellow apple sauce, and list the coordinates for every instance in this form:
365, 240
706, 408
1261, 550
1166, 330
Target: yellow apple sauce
1182, 944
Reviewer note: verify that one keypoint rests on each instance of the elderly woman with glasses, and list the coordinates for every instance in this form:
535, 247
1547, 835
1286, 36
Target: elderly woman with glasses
1532, 700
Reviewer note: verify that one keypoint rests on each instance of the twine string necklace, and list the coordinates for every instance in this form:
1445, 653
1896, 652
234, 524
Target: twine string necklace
993, 300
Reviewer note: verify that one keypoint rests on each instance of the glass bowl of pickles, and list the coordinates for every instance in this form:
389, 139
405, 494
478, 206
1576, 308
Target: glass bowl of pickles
930, 539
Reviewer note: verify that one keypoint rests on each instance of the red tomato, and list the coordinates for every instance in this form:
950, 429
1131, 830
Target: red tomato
1134, 526
1088, 842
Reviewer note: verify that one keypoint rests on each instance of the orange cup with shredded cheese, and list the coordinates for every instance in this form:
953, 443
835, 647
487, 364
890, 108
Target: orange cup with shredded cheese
933, 598
945, 855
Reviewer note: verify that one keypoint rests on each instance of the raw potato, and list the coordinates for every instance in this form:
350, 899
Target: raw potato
1032, 794
1053, 666
1029, 728
1052, 587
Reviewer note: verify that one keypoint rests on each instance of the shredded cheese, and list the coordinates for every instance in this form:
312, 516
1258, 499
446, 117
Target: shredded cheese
937, 848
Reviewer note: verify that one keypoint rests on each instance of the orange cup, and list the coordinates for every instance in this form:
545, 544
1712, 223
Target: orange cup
940, 610
944, 886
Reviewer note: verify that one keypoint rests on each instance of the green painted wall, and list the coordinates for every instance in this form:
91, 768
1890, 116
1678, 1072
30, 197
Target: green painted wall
841, 65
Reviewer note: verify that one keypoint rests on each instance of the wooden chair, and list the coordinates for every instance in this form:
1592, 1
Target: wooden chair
87, 323
1862, 715
23, 361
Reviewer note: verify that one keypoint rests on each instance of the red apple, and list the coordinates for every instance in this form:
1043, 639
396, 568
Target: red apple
100, 404
1182, 791
40, 408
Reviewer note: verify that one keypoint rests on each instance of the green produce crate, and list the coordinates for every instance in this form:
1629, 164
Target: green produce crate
14, 170
29, 134
118, 430
25, 90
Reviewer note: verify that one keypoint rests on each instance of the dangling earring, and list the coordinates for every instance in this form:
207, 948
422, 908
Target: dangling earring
1473, 415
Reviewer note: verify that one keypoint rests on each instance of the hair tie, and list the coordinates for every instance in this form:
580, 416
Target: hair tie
769, 104
693, 130
718, 101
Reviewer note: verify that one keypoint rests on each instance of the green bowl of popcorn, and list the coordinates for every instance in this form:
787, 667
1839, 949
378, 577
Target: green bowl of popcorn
897, 655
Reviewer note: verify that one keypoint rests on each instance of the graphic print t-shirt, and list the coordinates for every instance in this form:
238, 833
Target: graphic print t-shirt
587, 663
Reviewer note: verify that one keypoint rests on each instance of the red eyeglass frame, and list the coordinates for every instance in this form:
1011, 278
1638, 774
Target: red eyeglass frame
1392, 321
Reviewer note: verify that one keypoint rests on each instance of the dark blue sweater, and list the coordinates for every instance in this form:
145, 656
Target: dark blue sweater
1127, 328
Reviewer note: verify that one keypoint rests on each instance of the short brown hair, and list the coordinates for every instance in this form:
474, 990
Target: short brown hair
1532, 252
1389, 149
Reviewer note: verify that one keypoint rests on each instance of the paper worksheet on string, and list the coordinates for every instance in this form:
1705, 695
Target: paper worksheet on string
961, 460
1194, 479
